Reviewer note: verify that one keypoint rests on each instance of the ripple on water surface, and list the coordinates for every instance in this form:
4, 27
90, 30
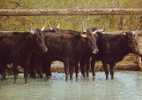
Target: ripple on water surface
127, 85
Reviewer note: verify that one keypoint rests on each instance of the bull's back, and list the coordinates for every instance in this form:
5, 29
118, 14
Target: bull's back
113, 48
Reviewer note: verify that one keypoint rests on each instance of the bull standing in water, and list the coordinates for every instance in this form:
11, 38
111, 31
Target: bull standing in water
68, 46
112, 49
17, 48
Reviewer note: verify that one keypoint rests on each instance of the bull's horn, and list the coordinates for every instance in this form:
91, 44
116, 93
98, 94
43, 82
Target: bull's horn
58, 26
42, 29
84, 31
49, 25
84, 35
83, 27
94, 32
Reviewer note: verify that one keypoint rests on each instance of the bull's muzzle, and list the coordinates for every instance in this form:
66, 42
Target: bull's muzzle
95, 51
45, 49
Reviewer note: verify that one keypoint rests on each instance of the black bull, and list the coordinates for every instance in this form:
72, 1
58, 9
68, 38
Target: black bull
17, 48
112, 49
69, 46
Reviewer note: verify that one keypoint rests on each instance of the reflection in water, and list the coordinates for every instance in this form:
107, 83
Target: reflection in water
127, 85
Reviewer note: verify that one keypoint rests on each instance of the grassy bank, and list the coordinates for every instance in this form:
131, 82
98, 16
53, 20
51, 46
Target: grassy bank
71, 22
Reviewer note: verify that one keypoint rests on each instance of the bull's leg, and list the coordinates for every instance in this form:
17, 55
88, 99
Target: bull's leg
66, 69
82, 68
76, 71
25, 74
87, 68
39, 72
40, 75
47, 69
2, 71
93, 68
15, 72
3, 75
111, 70
32, 73
66, 72
106, 70
71, 70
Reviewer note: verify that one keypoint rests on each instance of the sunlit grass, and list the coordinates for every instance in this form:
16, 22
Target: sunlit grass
69, 22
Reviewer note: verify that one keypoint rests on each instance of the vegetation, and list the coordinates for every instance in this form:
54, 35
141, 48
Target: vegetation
72, 22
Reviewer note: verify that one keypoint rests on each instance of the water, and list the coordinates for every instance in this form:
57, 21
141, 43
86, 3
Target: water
127, 85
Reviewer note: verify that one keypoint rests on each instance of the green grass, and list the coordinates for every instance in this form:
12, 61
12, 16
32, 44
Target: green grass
70, 22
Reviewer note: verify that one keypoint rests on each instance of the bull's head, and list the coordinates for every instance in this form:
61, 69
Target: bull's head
38, 40
132, 41
92, 36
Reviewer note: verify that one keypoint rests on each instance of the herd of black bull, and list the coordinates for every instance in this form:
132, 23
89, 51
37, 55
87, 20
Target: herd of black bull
35, 51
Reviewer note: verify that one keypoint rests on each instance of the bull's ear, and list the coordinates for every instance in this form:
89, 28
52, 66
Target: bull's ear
51, 28
127, 33
94, 32
98, 30
133, 32
124, 33
99, 34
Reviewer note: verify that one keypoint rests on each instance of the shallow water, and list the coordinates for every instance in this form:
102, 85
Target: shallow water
127, 85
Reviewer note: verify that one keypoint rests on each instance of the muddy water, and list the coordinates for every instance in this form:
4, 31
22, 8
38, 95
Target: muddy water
127, 85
